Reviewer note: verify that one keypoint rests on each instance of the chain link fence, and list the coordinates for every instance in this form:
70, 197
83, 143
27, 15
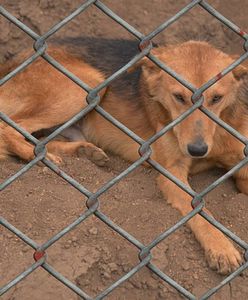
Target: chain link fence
93, 100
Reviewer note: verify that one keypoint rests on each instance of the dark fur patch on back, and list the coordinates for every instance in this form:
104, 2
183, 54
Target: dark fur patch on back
108, 56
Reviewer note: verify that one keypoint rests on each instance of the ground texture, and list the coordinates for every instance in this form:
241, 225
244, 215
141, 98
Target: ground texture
40, 203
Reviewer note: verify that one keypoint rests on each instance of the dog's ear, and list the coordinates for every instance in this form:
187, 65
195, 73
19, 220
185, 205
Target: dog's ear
146, 65
103, 92
241, 71
151, 77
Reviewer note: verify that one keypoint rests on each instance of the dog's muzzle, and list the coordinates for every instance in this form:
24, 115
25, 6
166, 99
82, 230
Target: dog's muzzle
197, 149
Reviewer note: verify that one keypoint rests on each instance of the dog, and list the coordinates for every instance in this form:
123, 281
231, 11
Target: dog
40, 98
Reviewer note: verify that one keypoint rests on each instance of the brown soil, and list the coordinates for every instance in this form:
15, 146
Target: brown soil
40, 203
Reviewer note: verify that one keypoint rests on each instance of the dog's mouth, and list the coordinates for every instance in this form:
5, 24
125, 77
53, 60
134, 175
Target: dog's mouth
199, 156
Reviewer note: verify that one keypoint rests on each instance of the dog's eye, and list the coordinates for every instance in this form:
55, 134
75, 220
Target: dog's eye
179, 98
216, 99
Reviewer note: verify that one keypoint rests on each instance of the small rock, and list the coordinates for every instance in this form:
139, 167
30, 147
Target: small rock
113, 267
45, 170
29, 226
126, 269
106, 275
187, 230
93, 231
192, 242
152, 284
67, 246
204, 264
74, 239
166, 248
137, 284
185, 265
25, 249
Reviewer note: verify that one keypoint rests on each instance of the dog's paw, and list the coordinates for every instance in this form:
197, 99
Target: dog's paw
223, 257
94, 154
54, 158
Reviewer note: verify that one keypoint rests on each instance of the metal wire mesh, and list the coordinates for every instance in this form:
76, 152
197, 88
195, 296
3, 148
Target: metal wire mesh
92, 203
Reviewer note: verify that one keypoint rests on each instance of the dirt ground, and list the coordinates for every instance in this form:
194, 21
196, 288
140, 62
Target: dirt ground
40, 203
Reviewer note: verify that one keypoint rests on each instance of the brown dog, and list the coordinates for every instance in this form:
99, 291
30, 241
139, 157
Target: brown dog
40, 98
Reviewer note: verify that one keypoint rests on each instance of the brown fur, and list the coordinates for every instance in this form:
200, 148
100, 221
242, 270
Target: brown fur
37, 102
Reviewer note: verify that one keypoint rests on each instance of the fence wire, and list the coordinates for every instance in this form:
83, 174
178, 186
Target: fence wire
93, 100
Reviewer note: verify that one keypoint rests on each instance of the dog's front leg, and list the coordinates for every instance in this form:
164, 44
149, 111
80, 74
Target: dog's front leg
220, 252
229, 160
16, 144
241, 178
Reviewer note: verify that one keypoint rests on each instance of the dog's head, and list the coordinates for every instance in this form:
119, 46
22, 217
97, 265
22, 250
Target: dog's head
197, 62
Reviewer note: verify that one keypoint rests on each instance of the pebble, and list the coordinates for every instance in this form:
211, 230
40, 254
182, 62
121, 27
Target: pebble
154, 276
204, 264
25, 249
93, 231
29, 226
191, 256
74, 239
244, 274
166, 248
113, 267
106, 275
67, 246
185, 265
45, 170
152, 284
137, 284
126, 269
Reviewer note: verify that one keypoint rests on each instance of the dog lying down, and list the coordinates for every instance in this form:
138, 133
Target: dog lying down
40, 98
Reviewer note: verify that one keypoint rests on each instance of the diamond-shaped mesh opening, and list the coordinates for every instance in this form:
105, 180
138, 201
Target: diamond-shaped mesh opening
181, 258
93, 253
41, 285
13, 248
44, 211
9, 46
198, 24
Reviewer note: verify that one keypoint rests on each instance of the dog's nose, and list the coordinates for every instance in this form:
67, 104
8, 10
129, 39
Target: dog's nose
198, 149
